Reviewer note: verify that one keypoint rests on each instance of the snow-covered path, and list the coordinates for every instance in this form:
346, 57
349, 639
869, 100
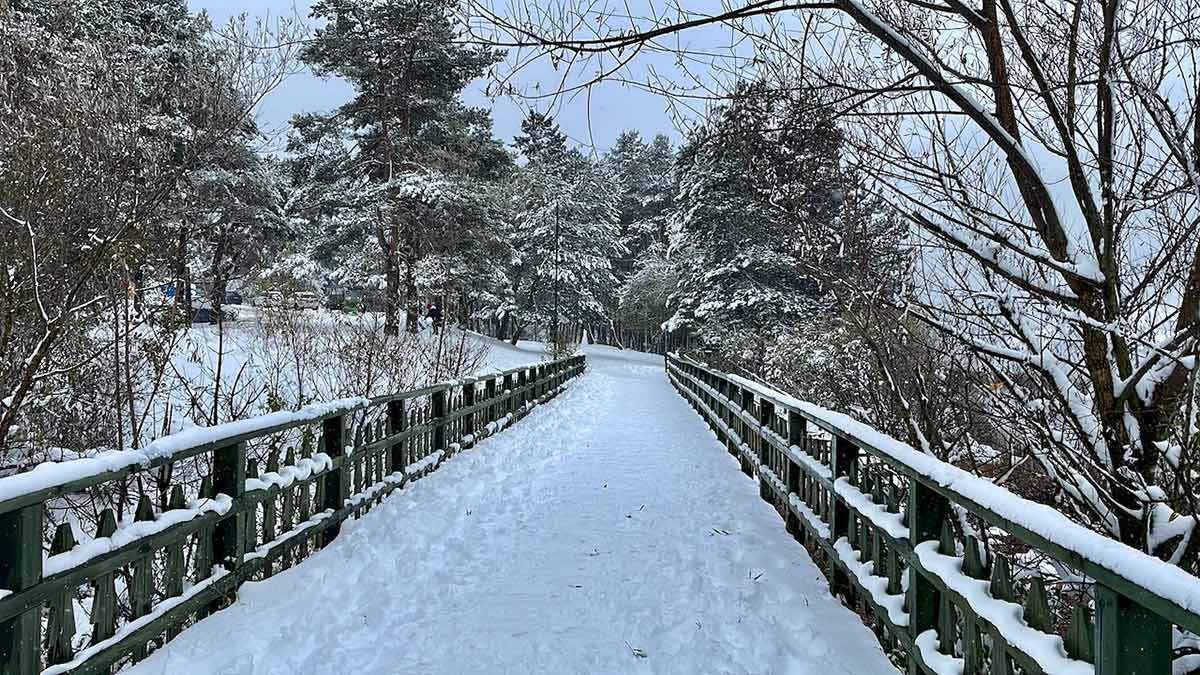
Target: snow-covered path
607, 524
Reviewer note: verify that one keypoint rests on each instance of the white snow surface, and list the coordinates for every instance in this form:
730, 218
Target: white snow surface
501, 356
608, 521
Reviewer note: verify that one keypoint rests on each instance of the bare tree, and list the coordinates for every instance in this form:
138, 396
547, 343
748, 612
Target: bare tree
1048, 155
87, 175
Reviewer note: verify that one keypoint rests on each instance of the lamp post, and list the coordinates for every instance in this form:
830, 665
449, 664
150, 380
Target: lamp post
557, 254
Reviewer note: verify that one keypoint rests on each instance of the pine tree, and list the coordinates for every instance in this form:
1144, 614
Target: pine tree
646, 301
238, 215
409, 127
541, 141
759, 178
564, 234
642, 173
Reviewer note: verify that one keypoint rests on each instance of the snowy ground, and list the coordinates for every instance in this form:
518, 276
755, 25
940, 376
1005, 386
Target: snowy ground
260, 369
606, 525
501, 355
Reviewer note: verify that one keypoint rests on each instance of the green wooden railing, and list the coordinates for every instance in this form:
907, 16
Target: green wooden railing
247, 506
886, 522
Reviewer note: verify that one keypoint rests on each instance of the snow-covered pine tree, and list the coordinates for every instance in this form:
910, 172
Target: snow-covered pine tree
564, 234
454, 213
327, 202
239, 222
761, 177
412, 134
647, 296
642, 174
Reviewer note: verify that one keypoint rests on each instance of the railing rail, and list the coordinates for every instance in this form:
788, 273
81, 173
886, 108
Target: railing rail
238, 523
887, 520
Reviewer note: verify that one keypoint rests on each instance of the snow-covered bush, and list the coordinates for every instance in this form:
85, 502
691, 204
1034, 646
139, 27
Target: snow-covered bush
825, 362
645, 301
561, 343
302, 357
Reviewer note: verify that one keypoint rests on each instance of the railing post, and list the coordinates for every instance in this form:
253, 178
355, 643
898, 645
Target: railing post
1130, 639
395, 424
518, 379
797, 431
490, 392
229, 478
702, 385
726, 389
714, 404
508, 397
766, 414
747, 406
927, 511
722, 388
333, 443
21, 568
469, 402
439, 426
845, 456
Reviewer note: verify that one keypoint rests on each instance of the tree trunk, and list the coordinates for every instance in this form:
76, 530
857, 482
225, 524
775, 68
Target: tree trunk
139, 290
183, 285
391, 298
216, 280
391, 276
412, 313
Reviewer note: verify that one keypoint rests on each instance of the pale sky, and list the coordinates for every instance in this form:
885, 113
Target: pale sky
612, 107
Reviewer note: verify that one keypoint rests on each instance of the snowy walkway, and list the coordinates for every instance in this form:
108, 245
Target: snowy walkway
594, 527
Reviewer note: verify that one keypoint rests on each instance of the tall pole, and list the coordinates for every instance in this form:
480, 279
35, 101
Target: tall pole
557, 253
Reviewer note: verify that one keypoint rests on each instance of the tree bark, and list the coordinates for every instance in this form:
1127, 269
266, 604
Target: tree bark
412, 307
391, 276
183, 284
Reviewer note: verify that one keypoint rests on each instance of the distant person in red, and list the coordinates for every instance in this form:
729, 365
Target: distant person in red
435, 316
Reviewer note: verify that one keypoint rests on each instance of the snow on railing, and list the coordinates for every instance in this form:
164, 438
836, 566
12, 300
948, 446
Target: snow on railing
883, 514
233, 523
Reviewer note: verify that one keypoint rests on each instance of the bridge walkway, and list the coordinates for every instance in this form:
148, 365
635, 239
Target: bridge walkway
606, 533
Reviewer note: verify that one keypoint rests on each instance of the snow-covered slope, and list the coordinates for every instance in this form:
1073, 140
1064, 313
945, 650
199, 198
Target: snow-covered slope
606, 533
501, 355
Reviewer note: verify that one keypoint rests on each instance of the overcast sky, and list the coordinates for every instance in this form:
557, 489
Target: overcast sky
612, 107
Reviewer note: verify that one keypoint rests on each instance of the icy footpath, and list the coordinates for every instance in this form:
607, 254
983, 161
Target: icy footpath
606, 533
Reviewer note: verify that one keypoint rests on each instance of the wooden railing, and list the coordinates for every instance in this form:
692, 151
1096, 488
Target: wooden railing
236, 502
608, 333
887, 522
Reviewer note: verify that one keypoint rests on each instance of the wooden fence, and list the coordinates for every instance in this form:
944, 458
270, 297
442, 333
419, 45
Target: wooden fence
614, 334
886, 521
609, 333
259, 508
